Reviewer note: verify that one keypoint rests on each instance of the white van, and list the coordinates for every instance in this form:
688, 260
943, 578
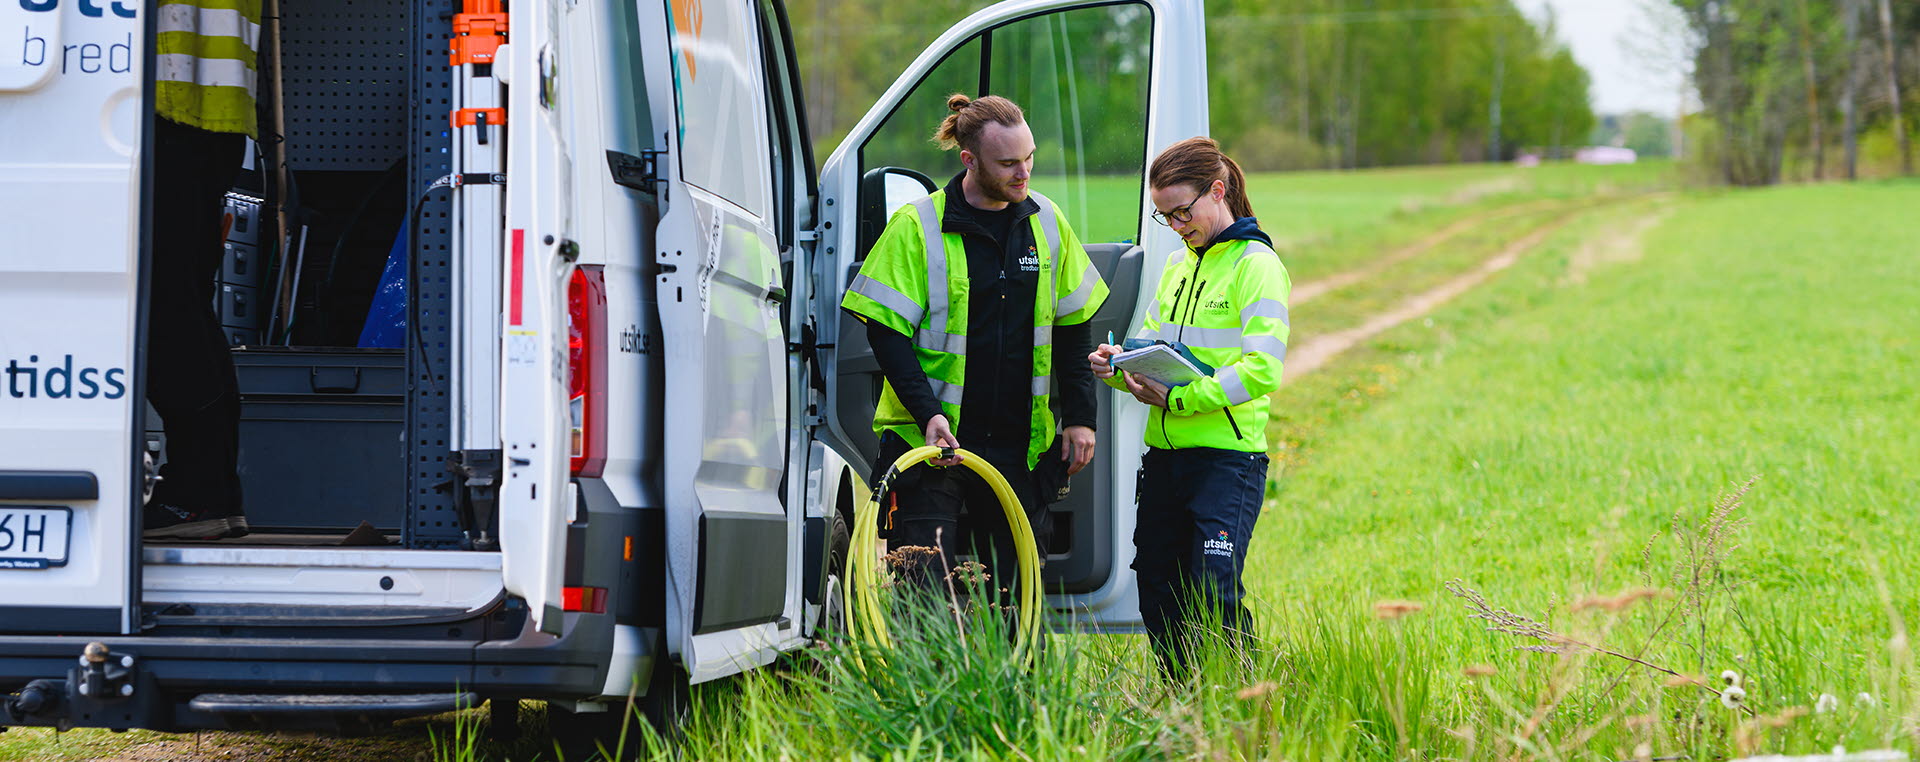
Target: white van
627, 425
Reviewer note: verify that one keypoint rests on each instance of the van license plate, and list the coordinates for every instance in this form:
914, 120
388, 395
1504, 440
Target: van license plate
34, 537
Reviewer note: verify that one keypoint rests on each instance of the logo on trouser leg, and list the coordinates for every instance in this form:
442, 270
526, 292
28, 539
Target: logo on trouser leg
1218, 546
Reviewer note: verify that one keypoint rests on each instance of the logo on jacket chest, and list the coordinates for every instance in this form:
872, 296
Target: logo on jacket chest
1030, 263
1217, 305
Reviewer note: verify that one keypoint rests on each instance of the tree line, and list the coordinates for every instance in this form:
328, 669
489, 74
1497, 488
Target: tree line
1790, 87
1293, 84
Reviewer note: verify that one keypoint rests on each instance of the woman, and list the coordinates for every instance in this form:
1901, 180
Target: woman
1224, 295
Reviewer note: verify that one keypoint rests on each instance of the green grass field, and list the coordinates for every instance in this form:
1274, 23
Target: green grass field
1555, 439
1534, 436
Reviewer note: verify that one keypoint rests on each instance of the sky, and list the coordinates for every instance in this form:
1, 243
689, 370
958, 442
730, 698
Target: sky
1595, 29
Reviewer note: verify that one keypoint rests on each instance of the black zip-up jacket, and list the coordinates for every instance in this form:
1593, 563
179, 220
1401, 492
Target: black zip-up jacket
997, 401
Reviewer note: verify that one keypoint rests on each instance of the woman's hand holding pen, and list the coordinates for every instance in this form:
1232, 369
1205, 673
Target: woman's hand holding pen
1101, 359
1101, 362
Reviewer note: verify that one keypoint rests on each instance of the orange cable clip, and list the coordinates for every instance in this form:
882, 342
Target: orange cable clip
467, 117
477, 33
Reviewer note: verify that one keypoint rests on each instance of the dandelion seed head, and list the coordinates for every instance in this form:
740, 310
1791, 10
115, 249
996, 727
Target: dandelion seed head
1730, 677
1826, 703
1864, 698
1733, 697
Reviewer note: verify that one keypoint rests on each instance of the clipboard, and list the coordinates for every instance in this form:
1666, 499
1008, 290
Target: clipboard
1169, 364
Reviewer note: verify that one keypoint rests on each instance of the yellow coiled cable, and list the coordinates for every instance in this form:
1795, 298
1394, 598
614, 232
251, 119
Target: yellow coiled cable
866, 617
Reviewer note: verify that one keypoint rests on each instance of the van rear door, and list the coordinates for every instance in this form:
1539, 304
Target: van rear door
1105, 86
536, 493
74, 116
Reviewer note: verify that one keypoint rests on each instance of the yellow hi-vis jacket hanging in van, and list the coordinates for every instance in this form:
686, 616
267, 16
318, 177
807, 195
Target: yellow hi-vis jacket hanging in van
1229, 307
915, 282
203, 63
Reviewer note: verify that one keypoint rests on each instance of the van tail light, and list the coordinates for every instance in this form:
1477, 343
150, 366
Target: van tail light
587, 370
592, 600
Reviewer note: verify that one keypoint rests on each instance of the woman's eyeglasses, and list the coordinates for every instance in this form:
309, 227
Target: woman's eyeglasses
1182, 215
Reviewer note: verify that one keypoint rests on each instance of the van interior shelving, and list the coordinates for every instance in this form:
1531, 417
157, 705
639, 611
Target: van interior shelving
343, 446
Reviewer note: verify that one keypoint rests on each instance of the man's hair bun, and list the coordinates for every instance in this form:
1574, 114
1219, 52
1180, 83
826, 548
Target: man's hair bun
961, 129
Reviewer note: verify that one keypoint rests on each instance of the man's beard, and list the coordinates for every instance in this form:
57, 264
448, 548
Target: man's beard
998, 191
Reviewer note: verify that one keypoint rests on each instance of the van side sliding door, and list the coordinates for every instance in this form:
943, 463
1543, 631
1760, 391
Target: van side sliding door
74, 114
1105, 87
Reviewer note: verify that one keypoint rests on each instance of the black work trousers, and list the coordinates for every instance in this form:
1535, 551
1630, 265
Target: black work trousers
190, 377
954, 510
1197, 507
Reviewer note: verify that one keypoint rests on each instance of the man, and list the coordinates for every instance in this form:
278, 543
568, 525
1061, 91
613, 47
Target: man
204, 102
976, 300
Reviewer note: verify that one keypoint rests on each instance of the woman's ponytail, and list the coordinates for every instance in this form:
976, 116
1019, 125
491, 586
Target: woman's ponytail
1236, 189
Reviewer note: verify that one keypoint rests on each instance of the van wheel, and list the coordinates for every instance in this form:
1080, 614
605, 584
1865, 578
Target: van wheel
598, 735
833, 585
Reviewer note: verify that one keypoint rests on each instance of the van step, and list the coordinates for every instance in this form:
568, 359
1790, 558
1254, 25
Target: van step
340, 577
309, 615
398, 705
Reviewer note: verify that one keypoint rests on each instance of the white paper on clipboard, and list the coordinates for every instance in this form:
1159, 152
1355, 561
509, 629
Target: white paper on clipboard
1160, 363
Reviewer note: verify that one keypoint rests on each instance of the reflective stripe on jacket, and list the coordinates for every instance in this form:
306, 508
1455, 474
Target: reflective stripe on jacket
204, 63
925, 298
1229, 306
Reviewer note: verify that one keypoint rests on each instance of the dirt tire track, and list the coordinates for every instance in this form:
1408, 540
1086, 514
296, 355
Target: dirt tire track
1307, 292
1623, 243
1317, 351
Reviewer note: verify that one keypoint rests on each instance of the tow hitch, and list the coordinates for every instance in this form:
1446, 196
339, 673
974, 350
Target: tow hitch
104, 690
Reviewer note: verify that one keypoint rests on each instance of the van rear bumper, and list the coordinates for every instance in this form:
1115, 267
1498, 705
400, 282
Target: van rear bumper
151, 681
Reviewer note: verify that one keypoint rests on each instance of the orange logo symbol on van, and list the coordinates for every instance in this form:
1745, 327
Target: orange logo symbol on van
688, 17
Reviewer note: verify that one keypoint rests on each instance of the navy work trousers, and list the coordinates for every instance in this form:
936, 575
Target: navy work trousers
190, 377
1197, 507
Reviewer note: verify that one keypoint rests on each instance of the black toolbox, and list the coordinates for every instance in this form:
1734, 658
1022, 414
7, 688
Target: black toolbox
322, 438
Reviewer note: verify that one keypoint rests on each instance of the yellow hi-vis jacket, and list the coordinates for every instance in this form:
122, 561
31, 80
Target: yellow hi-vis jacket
1229, 307
915, 281
204, 63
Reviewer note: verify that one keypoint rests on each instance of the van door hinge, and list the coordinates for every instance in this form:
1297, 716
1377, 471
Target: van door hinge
808, 236
640, 173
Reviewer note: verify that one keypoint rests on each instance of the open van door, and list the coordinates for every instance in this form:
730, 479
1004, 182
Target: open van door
536, 495
732, 580
71, 220
1105, 86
